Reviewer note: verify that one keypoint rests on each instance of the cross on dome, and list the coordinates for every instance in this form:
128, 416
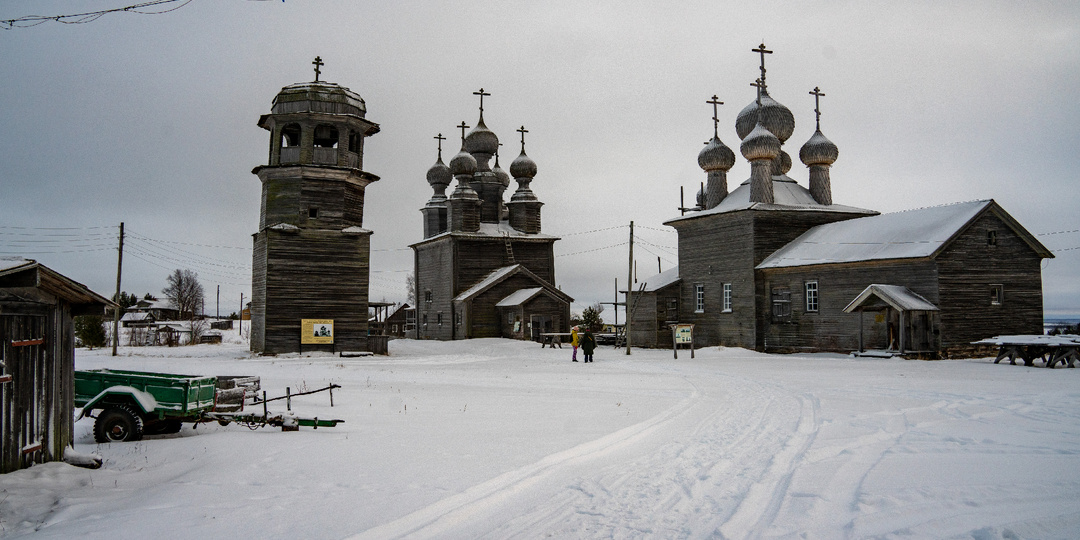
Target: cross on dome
760, 86
818, 94
441, 139
522, 131
317, 63
762, 51
462, 127
715, 117
481, 93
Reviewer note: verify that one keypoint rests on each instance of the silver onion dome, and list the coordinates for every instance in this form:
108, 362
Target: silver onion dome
760, 143
716, 156
818, 151
774, 116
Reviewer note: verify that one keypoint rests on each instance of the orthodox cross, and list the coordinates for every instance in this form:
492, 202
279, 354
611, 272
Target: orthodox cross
715, 119
760, 84
817, 93
762, 51
462, 127
317, 63
481, 93
441, 139
522, 131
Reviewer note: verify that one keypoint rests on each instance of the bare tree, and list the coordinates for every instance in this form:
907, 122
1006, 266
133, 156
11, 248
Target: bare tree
185, 293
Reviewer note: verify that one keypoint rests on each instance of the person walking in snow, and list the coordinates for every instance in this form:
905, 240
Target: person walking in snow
588, 344
574, 342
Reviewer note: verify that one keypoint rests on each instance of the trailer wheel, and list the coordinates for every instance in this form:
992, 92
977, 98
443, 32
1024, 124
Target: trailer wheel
118, 423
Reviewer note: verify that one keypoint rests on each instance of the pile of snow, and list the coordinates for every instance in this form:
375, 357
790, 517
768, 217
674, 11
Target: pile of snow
497, 439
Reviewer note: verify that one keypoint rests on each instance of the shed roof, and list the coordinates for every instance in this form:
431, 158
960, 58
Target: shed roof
659, 281
895, 296
20, 272
918, 233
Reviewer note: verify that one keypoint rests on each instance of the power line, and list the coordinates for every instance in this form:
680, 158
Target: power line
90, 16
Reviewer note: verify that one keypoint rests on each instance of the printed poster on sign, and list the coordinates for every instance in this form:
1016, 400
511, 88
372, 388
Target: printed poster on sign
684, 334
316, 331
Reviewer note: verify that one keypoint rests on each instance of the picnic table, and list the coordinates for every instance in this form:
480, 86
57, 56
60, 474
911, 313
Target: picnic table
552, 339
1052, 350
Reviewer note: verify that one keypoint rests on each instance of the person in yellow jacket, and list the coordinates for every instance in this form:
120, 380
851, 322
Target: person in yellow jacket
574, 342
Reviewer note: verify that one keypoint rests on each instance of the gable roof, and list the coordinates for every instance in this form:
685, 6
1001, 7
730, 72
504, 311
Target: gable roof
519, 297
500, 274
896, 296
920, 233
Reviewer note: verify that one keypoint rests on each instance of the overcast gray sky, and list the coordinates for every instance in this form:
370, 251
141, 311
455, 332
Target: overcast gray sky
151, 120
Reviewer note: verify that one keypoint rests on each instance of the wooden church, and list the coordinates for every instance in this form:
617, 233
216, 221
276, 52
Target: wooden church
484, 268
775, 266
311, 252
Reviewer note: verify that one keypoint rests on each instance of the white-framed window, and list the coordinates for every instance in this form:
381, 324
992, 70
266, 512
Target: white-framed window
427, 296
699, 298
997, 295
727, 298
812, 296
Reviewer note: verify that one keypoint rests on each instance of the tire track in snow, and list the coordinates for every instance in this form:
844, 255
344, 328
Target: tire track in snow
438, 519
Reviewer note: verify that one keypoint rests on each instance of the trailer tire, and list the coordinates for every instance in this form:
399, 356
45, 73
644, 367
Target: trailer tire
118, 423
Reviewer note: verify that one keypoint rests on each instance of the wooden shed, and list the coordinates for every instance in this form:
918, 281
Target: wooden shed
37, 307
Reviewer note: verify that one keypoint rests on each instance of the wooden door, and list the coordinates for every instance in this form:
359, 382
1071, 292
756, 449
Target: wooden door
25, 393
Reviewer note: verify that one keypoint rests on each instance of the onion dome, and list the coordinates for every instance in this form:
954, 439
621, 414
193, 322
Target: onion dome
715, 156
481, 140
503, 176
523, 166
439, 173
463, 163
782, 163
760, 143
818, 151
774, 116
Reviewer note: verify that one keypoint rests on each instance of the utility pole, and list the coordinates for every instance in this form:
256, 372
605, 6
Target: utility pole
116, 310
217, 303
240, 324
629, 287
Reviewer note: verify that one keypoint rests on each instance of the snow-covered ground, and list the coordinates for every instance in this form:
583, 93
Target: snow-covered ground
503, 439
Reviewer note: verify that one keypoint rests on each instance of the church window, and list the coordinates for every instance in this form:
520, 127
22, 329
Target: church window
727, 298
427, 296
457, 317
312, 213
997, 295
781, 303
326, 136
811, 296
290, 135
354, 141
424, 319
991, 238
438, 318
699, 298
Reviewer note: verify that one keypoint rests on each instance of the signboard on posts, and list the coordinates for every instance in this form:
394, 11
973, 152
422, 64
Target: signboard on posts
682, 334
316, 331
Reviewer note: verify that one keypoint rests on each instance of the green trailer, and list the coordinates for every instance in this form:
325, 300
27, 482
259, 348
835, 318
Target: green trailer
132, 403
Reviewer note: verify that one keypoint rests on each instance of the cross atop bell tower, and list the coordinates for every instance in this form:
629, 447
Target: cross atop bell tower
318, 63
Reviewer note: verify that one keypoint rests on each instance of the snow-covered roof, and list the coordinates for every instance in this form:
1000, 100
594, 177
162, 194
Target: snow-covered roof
901, 235
659, 281
896, 296
493, 230
519, 297
135, 316
9, 263
787, 195
492, 278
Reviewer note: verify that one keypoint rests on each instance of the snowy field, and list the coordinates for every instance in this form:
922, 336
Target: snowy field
503, 439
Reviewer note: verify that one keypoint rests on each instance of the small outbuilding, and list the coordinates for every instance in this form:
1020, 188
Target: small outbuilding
37, 366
